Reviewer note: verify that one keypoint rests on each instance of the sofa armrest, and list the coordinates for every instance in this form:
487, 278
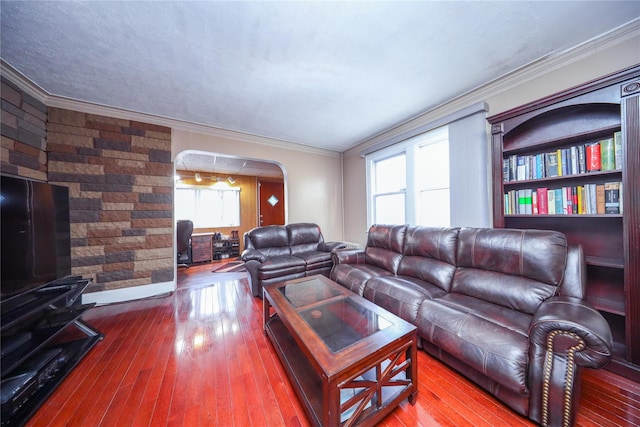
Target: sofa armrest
348, 256
565, 334
574, 317
329, 246
253, 255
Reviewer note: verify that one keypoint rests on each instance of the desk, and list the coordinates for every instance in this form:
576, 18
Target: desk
204, 248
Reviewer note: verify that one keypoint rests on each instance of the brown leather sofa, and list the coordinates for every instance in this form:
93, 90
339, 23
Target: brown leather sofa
275, 253
503, 307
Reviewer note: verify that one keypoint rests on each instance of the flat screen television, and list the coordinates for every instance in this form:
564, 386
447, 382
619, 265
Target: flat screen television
36, 239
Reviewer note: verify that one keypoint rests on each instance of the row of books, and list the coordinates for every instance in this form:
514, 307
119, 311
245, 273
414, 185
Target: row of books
589, 199
603, 155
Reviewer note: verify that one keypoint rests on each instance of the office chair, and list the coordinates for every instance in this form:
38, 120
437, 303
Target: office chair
184, 228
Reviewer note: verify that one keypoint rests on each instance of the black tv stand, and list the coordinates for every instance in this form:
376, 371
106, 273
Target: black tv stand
43, 339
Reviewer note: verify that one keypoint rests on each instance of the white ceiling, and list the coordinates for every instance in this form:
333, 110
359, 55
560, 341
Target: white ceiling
320, 73
223, 165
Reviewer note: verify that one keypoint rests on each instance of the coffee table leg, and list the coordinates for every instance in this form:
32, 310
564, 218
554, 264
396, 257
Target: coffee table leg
412, 371
266, 312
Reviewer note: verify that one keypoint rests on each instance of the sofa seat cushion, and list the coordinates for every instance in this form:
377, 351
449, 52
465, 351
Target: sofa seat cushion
401, 295
316, 259
281, 265
354, 276
488, 337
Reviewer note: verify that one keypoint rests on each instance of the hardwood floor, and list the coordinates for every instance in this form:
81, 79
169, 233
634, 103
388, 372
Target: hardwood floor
199, 357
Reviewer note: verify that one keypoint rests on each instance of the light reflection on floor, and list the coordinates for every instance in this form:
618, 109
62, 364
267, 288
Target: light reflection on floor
208, 315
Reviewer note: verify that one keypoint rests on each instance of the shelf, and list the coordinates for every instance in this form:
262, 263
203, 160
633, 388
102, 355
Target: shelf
39, 339
605, 262
43, 339
38, 300
75, 350
574, 177
546, 145
308, 385
617, 325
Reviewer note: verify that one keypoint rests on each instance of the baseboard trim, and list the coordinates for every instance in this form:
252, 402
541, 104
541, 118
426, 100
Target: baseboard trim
128, 294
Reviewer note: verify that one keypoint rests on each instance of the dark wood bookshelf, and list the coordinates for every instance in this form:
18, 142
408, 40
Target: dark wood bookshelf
611, 242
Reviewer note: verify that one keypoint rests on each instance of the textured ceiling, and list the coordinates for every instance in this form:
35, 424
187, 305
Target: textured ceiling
222, 165
324, 74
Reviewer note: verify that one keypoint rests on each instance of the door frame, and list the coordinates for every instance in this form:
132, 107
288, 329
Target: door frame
242, 158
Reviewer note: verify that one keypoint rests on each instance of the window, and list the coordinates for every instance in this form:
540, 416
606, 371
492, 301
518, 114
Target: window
389, 190
433, 206
208, 207
447, 171
409, 182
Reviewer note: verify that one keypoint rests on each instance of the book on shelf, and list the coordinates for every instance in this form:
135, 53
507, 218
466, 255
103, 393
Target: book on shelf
521, 169
552, 164
593, 198
574, 160
580, 199
588, 199
551, 202
560, 162
560, 207
524, 197
543, 201
600, 199
567, 200
617, 149
603, 155
593, 157
621, 198
566, 161
582, 159
612, 198
506, 170
607, 155
540, 166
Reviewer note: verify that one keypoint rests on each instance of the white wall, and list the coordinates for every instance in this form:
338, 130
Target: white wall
313, 176
584, 63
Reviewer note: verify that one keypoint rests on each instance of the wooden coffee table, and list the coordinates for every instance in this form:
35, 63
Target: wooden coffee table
350, 361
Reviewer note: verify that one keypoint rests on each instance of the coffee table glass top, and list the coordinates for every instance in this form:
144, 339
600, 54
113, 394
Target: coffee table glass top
340, 323
308, 292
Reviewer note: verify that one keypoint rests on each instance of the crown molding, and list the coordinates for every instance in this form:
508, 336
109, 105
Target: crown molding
32, 89
22, 82
504, 83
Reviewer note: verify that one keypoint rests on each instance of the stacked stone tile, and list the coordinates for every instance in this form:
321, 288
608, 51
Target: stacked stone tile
23, 133
120, 177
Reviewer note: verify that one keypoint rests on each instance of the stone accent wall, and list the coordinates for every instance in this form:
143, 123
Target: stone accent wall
121, 186
23, 133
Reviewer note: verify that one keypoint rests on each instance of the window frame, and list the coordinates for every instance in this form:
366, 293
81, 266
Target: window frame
197, 219
412, 190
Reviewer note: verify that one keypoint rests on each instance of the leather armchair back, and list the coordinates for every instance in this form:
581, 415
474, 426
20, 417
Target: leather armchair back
384, 246
518, 269
270, 240
184, 229
430, 255
304, 237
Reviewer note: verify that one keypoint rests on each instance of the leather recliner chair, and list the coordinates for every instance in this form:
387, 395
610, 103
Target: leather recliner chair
275, 253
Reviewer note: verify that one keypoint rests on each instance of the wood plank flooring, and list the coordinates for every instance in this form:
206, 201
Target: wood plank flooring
199, 357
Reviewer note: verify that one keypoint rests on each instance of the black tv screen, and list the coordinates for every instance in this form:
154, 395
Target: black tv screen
36, 240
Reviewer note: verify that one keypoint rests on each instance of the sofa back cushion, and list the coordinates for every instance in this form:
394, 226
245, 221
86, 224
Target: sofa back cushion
271, 240
518, 269
304, 237
430, 255
384, 246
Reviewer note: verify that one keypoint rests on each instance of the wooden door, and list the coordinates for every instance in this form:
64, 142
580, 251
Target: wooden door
271, 209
